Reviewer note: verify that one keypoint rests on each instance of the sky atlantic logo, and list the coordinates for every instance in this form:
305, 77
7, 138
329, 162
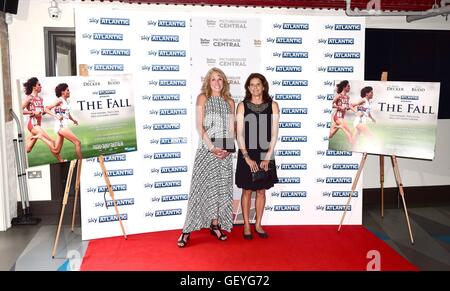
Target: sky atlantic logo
120, 202
174, 111
173, 198
173, 140
114, 21
167, 155
171, 23
347, 55
288, 97
289, 180
334, 207
341, 41
115, 188
168, 212
177, 169
172, 82
294, 138
168, 184
166, 126
345, 166
338, 153
294, 83
165, 68
165, 38
347, 27
288, 153
108, 36
288, 69
116, 52
172, 53
114, 158
338, 180
290, 125
286, 208
294, 166
112, 218
294, 110
288, 40
294, 55
343, 194
166, 97
296, 26
293, 194
109, 67
340, 69
121, 172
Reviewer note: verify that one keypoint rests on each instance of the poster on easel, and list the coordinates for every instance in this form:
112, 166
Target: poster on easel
385, 117
70, 117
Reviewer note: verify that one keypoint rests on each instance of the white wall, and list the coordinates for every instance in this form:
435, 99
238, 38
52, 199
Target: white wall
27, 59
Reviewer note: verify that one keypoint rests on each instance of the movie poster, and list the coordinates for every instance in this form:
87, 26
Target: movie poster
388, 118
68, 118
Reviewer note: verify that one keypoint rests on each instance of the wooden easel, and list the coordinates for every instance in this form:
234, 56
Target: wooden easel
83, 72
397, 179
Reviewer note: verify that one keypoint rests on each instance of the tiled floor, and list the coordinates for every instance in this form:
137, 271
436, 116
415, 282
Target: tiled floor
29, 247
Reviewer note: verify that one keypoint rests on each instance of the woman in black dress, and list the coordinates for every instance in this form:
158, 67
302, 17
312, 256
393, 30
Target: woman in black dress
257, 133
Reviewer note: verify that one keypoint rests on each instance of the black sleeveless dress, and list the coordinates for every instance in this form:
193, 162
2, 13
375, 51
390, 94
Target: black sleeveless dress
258, 134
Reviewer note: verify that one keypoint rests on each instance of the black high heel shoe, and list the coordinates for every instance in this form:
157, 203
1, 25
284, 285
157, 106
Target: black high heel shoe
216, 230
182, 242
248, 236
262, 234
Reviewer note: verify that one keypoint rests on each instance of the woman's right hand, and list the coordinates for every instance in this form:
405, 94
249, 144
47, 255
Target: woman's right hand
252, 164
219, 153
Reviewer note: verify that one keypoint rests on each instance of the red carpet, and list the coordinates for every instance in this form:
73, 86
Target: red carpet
289, 248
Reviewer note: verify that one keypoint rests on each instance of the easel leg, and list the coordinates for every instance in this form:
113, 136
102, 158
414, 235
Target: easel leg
382, 184
101, 160
64, 202
77, 188
355, 182
400, 186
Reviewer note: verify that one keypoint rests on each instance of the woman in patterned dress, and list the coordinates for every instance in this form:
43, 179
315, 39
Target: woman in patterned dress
211, 192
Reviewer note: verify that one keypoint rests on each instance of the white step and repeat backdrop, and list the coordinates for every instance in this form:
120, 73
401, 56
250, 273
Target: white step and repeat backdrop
168, 55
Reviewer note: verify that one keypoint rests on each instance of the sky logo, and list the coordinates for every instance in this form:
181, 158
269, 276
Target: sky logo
174, 111
165, 38
114, 21
338, 180
291, 138
172, 198
166, 126
171, 23
340, 69
178, 169
173, 140
288, 69
286, 208
296, 26
341, 41
168, 212
294, 55
167, 184
347, 55
288, 97
347, 27
108, 36
167, 155
409, 98
290, 125
288, 40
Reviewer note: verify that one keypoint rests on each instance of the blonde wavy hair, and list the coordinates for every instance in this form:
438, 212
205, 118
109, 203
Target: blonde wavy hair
206, 87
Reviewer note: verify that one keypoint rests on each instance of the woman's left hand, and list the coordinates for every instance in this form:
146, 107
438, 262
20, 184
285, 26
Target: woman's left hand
264, 165
75, 122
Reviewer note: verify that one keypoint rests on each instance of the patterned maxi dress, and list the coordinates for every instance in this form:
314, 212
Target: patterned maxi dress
211, 192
